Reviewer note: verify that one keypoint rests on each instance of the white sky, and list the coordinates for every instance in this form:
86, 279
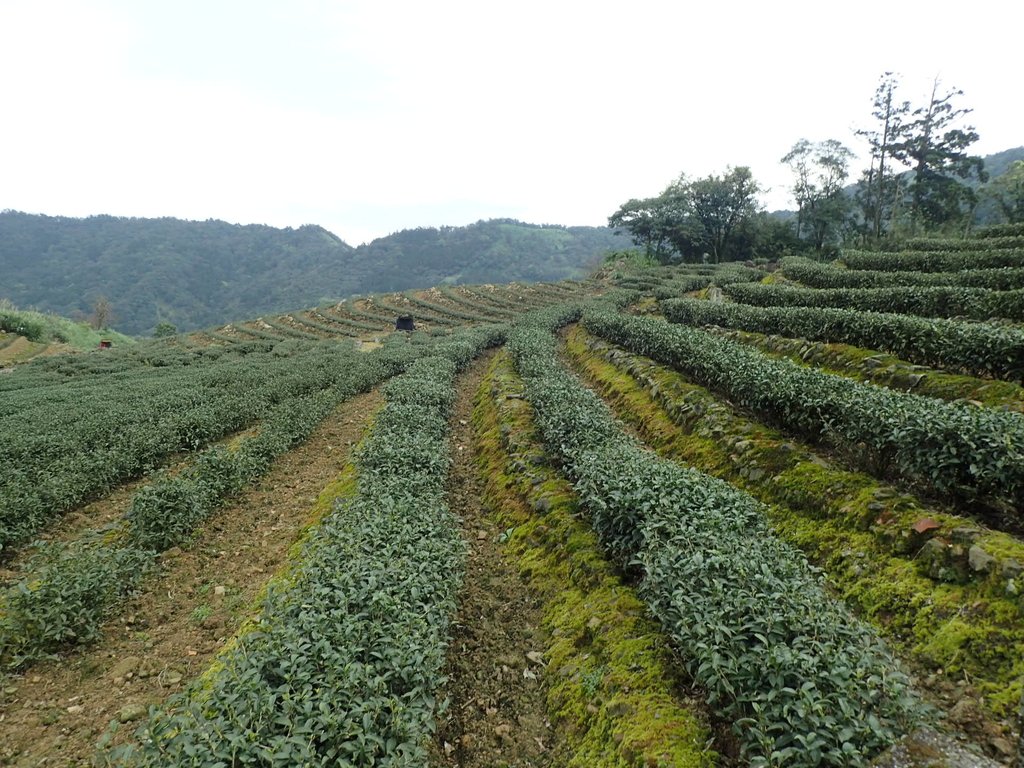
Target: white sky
371, 116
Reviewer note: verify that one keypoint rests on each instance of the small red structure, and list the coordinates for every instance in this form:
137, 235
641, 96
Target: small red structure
106, 344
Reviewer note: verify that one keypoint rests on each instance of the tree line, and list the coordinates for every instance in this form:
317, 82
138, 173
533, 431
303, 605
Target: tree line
921, 179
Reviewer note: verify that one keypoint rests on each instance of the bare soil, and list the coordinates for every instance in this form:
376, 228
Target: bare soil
54, 713
497, 714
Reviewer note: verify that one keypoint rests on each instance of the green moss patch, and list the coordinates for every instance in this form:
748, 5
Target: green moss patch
614, 690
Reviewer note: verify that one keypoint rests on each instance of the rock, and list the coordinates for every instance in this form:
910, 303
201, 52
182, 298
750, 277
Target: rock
542, 505
965, 536
76, 709
926, 748
220, 590
619, 709
1001, 746
536, 657
980, 560
125, 668
1011, 568
132, 711
933, 554
965, 712
924, 525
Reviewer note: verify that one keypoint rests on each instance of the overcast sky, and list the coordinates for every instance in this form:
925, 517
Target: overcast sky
368, 117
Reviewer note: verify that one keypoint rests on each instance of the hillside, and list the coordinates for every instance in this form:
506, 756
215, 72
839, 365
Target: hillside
681, 516
201, 273
25, 335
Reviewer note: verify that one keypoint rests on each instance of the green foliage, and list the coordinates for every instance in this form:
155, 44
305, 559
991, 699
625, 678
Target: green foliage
343, 663
71, 590
926, 301
951, 449
64, 602
951, 260
165, 329
74, 427
613, 687
1007, 243
975, 348
823, 208
802, 681
693, 220
850, 524
817, 275
44, 327
1001, 230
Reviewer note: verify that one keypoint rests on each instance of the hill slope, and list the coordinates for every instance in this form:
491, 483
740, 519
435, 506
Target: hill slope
201, 273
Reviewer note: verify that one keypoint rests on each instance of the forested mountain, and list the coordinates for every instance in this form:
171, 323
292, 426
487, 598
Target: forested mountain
200, 273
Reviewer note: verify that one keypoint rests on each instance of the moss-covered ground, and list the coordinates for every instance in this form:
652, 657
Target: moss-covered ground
614, 693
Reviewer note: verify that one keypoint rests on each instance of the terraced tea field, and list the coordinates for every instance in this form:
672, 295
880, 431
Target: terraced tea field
680, 516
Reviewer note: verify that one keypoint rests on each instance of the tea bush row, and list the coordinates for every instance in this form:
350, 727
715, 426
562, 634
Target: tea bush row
933, 261
343, 664
801, 680
814, 274
978, 349
926, 301
65, 443
71, 588
952, 449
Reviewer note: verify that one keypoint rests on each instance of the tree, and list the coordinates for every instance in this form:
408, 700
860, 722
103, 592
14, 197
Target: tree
820, 170
721, 205
879, 191
1007, 191
165, 329
937, 152
102, 313
690, 219
647, 223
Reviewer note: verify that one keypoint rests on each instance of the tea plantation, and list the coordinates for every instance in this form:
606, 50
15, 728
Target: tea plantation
755, 514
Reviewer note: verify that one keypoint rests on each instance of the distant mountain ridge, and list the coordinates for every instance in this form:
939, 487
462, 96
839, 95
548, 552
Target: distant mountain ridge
196, 274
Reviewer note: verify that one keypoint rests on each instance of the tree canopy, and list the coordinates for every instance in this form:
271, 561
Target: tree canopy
694, 220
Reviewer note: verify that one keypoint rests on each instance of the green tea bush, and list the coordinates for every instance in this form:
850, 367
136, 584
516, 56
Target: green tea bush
344, 661
951, 448
802, 681
814, 274
926, 301
978, 349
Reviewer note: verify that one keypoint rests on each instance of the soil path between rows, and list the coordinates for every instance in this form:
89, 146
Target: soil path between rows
54, 713
497, 714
